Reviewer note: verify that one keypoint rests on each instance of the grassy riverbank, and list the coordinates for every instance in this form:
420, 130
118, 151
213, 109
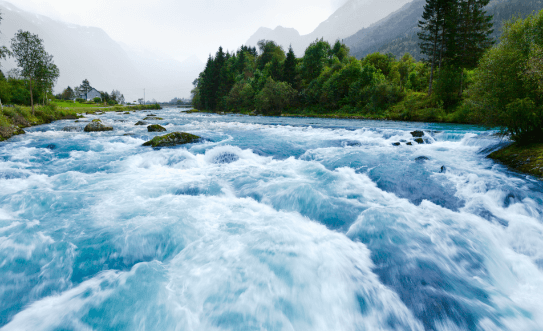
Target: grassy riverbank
524, 158
13, 120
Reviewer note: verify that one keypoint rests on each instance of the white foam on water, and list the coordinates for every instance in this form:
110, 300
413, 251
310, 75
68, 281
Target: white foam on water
213, 236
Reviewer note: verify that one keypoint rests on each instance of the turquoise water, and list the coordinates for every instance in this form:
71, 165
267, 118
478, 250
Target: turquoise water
266, 224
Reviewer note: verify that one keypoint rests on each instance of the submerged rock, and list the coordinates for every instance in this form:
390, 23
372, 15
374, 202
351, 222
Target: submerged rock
172, 139
141, 123
156, 128
396, 144
443, 169
421, 159
409, 143
417, 134
96, 126
71, 129
148, 118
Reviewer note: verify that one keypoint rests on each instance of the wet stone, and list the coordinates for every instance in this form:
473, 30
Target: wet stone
156, 128
417, 134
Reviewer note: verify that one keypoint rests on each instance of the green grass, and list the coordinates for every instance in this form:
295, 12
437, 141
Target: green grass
71, 104
14, 119
524, 158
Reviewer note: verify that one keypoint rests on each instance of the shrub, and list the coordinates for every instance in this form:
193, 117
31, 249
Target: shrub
274, 97
80, 100
97, 100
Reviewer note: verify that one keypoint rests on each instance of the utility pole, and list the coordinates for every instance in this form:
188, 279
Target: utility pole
144, 97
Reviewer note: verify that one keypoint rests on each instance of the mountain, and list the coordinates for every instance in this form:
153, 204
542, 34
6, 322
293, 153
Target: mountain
397, 33
89, 53
347, 20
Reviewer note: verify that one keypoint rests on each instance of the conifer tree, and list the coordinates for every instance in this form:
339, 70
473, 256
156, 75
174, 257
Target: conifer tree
432, 34
471, 38
289, 67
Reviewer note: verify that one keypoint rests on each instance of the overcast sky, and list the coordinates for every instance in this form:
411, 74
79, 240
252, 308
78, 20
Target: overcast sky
181, 28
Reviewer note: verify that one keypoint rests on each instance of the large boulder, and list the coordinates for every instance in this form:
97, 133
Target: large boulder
172, 139
96, 126
156, 128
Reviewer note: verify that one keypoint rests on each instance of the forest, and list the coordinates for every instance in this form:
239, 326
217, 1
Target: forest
465, 76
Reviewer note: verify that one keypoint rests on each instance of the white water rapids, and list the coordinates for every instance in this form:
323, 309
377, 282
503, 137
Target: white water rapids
266, 224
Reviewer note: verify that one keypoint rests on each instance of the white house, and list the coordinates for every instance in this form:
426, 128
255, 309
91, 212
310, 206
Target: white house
90, 95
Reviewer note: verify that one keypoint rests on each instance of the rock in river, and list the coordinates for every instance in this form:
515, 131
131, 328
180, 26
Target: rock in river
71, 128
141, 123
417, 134
149, 118
156, 128
172, 139
96, 125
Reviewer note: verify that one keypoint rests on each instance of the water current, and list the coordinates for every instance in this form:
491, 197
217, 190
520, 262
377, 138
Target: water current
266, 224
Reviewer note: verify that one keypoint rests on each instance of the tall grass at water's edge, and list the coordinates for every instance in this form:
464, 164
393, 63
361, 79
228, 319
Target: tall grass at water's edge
14, 119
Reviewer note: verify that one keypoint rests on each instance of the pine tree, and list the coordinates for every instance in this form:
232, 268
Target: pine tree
433, 33
289, 67
472, 36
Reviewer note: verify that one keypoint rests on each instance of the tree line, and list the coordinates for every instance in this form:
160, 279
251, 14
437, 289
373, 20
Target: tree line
463, 77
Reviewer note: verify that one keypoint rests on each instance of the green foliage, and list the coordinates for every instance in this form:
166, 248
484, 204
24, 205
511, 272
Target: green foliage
274, 97
447, 87
35, 63
506, 85
315, 59
97, 99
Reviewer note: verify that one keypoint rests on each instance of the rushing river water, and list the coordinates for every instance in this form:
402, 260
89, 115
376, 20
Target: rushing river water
266, 224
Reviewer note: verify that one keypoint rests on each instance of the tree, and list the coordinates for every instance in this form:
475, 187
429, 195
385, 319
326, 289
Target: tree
47, 75
274, 97
506, 86
315, 59
67, 94
436, 19
85, 87
471, 35
29, 53
289, 67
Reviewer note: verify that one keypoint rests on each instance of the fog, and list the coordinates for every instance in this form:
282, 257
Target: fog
184, 28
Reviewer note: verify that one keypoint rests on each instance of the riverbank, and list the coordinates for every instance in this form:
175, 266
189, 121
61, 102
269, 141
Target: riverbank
13, 120
527, 159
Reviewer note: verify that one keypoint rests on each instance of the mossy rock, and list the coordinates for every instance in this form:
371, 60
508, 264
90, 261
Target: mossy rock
97, 121
172, 139
141, 123
156, 128
97, 126
527, 158
153, 118
417, 134
127, 113
419, 141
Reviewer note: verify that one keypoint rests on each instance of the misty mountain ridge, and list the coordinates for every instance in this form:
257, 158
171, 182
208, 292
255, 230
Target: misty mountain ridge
344, 22
82, 52
394, 32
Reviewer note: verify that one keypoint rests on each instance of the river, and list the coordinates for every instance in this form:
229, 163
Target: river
268, 223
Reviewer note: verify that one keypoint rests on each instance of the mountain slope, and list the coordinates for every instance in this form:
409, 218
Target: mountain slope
348, 19
397, 34
89, 53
